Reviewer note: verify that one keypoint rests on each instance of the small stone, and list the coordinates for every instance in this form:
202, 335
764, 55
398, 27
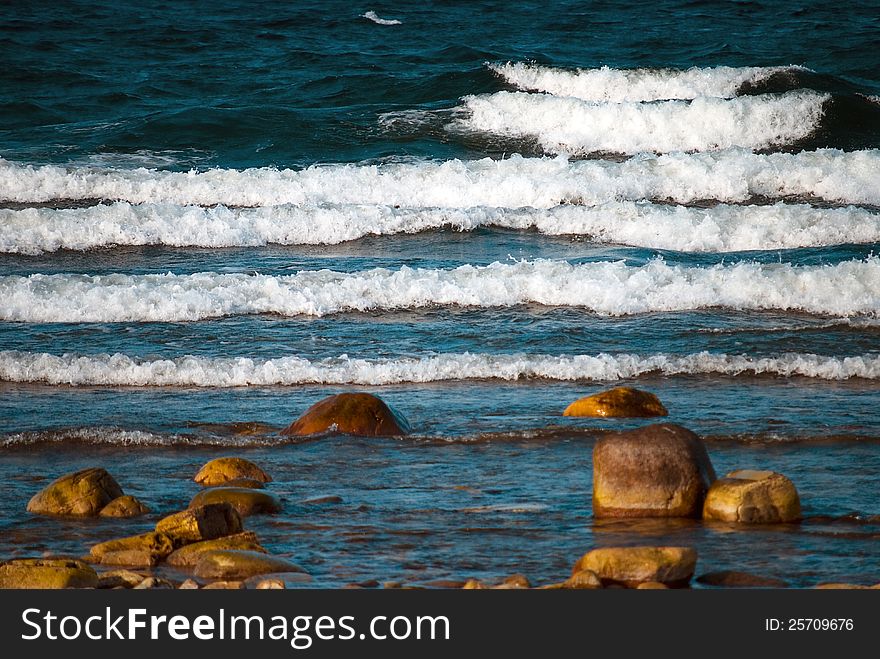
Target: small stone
188, 555
224, 585
145, 550
652, 585
83, 493
514, 582
189, 584
270, 584
115, 578
753, 497
350, 413
474, 584
238, 564
391, 585
618, 402
46, 573
733, 579
630, 566
201, 522
124, 506
246, 501
222, 470
151, 583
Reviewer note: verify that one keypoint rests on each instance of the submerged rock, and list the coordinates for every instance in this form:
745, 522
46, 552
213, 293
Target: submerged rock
124, 506
238, 564
662, 470
46, 573
245, 500
82, 493
222, 470
733, 579
189, 555
145, 550
630, 566
753, 497
204, 522
353, 414
618, 402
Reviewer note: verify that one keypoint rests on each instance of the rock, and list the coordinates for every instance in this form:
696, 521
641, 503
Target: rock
83, 493
514, 582
201, 522
145, 550
124, 506
617, 402
841, 586
652, 585
154, 583
117, 578
46, 573
753, 497
188, 555
223, 470
583, 580
354, 414
474, 584
390, 585
246, 501
189, 584
630, 566
331, 498
662, 470
732, 579
239, 564
224, 585
270, 584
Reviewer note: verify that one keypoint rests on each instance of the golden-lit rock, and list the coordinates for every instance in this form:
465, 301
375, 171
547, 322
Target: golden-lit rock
354, 414
204, 522
124, 506
246, 501
83, 493
46, 573
630, 566
222, 470
188, 555
474, 584
652, 585
514, 582
661, 470
233, 564
270, 584
841, 586
618, 402
224, 585
753, 497
583, 580
189, 584
119, 579
145, 550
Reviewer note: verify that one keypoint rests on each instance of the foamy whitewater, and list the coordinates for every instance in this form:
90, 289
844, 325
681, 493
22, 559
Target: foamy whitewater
611, 288
191, 371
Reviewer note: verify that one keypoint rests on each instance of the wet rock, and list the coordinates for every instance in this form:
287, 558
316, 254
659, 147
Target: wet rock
151, 583
237, 564
323, 500
753, 497
189, 584
583, 580
351, 413
662, 470
201, 522
733, 579
269, 584
224, 585
117, 578
124, 506
630, 566
474, 584
145, 550
841, 586
188, 555
652, 585
82, 493
223, 470
514, 582
437, 583
46, 573
391, 585
617, 402
246, 501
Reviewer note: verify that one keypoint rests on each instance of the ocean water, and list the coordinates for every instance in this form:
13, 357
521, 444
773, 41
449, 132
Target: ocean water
212, 217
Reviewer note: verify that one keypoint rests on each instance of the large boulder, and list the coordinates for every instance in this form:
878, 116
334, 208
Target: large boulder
353, 414
618, 402
124, 506
245, 500
47, 573
145, 550
83, 493
753, 497
205, 522
662, 470
631, 566
189, 555
238, 564
223, 470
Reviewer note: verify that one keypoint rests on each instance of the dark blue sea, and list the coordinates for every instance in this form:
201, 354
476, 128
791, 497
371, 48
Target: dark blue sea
217, 213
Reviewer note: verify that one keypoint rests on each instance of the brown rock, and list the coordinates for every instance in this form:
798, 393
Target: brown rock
145, 550
583, 580
630, 566
188, 555
652, 585
119, 578
124, 506
514, 582
841, 586
733, 579
474, 584
201, 522
753, 497
223, 470
151, 583
46, 573
354, 414
238, 564
270, 584
224, 585
246, 501
83, 493
189, 584
662, 470
617, 402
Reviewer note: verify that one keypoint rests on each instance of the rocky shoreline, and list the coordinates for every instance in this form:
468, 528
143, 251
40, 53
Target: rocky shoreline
655, 471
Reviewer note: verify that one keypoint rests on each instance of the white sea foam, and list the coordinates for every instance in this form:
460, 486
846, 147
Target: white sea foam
622, 85
570, 125
611, 288
660, 226
372, 16
190, 371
